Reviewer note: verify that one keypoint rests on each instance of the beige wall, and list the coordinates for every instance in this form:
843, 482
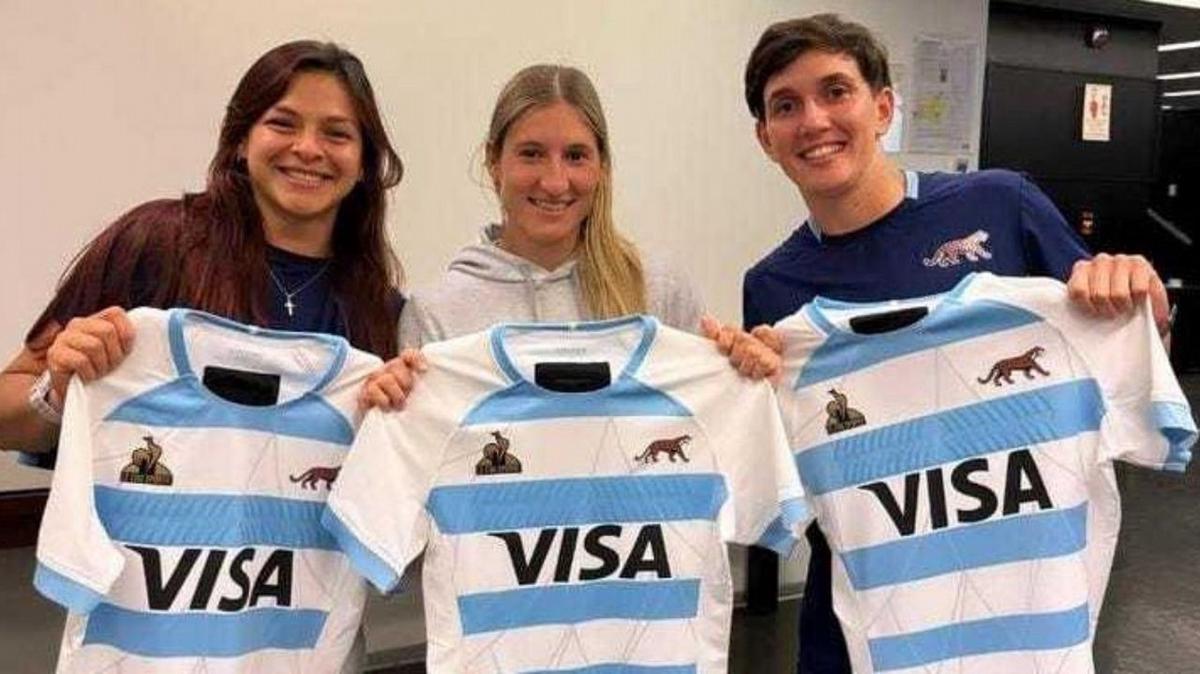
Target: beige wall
111, 102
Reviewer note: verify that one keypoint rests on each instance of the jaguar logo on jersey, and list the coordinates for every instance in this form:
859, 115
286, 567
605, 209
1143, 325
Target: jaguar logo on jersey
496, 458
1023, 483
311, 478
145, 466
951, 253
647, 553
842, 417
671, 447
273, 578
1001, 372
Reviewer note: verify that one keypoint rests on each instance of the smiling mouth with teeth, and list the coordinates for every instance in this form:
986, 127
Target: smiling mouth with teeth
551, 205
304, 176
822, 151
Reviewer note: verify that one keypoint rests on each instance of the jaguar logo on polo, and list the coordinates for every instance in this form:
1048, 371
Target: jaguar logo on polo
672, 447
497, 459
145, 465
953, 252
842, 417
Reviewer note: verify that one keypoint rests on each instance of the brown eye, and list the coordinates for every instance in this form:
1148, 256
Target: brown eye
783, 106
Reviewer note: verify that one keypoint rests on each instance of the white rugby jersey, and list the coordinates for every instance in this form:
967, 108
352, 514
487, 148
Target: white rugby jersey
571, 532
961, 469
183, 530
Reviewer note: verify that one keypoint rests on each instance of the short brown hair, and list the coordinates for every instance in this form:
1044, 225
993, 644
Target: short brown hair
783, 42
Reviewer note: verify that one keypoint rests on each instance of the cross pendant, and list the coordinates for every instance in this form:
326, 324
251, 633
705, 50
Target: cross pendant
290, 306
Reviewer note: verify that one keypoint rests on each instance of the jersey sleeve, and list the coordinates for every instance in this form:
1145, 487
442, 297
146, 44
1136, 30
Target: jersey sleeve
77, 562
765, 504
376, 510
1147, 419
1051, 246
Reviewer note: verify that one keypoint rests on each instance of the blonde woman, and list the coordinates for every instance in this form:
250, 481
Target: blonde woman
555, 255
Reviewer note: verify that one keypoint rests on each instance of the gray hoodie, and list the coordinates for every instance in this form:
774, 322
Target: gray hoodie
485, 284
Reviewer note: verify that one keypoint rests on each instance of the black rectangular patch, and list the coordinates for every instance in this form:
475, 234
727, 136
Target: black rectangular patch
572, 377
258, 389
887, 321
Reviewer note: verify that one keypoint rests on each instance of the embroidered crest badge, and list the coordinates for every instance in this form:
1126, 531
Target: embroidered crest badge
951, 253
1001, 372
496, 458
311, 478
842, 417
672, 447
144, 465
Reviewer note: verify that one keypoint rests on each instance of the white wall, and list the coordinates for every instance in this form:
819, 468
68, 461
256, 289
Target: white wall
111, 102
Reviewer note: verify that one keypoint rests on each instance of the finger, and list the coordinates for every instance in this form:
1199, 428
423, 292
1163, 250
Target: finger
739, 356
74, 345
398, 374
1140, 274
1160, 303
1079, 286
1101, 285
1120, 296
394, 392
67, 362
746, 366
415, 359
120, 320
372, 396
709, 326
110, 341
723, 338
769, 336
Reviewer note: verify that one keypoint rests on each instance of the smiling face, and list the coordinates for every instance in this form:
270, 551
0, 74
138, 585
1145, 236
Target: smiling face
546, 173
823, 123
304, 155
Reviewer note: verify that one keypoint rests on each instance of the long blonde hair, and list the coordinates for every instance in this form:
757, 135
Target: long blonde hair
611, 277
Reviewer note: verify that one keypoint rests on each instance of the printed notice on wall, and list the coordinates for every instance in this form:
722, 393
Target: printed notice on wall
943, 95
1097, 111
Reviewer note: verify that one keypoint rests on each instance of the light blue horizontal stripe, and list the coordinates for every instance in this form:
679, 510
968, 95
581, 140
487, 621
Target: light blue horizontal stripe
179, 404
1018, 537
1042, 415
366, 562
221, 520
76, 597
622, 669
949, 322
579, 602
505, 506
1025, 632
1175, 422
218, 635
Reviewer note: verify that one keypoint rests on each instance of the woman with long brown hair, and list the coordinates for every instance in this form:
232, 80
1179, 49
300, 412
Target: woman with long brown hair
288, 234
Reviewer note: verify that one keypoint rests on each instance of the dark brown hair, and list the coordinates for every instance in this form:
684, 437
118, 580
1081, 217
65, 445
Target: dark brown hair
783, 42
208, 251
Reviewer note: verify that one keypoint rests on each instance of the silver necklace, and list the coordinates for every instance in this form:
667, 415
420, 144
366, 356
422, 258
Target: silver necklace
289, 294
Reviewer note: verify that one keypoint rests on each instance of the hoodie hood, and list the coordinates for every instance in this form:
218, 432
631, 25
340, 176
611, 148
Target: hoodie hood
486, 260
